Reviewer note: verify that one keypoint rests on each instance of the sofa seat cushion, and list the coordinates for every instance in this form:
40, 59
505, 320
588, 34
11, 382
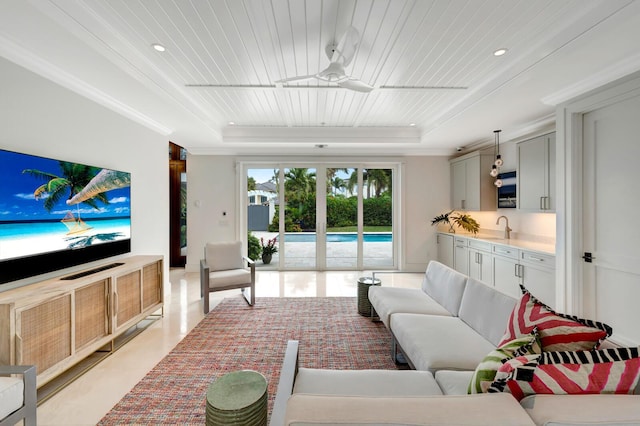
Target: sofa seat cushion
467, 410
391, 300
12, 395
583, 410
444, 285
219, 279
453, 382
392, 383
435, 342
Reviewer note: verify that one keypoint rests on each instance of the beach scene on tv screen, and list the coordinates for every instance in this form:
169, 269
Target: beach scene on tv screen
50, 205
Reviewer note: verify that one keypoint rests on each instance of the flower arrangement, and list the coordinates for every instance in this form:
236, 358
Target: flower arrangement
269, 247
462, 220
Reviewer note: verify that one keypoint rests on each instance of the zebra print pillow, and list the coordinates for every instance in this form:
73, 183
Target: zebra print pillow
558, 332
615, 370
485, 372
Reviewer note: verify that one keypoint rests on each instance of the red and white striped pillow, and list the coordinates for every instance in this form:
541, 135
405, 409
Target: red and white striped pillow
558, 332
610, 371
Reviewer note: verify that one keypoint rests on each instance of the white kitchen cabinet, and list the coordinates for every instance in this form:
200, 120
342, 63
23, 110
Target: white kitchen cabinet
538, 276
480, 261
535, 271
471, 185
536, 174
460, 255
506, 277
445, 249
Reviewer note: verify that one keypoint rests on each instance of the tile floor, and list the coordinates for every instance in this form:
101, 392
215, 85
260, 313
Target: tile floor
90, 397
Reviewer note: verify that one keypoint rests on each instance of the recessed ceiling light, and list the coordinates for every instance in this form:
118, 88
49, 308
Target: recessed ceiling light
321, 145
500, 52
158, 47
232, 123
412, 124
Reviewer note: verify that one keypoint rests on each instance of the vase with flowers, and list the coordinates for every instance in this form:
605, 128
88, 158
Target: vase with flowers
268, 249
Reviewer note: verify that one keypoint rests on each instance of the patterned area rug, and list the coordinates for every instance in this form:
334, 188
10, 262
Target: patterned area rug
235, 336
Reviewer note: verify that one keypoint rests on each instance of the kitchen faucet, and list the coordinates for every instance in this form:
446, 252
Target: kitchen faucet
507, 230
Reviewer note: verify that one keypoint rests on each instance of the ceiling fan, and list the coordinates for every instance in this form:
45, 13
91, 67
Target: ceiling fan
340, 56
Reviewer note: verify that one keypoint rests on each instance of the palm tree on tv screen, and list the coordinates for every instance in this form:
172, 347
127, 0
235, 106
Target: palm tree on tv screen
74, 177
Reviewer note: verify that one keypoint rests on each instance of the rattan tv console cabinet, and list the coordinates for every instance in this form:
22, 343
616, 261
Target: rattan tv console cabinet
65, 322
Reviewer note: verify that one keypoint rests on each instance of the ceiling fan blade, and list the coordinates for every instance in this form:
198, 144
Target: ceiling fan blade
346, 48
355, 84
298, 78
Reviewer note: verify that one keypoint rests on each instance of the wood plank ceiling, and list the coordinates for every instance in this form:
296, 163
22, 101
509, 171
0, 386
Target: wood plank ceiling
428, 60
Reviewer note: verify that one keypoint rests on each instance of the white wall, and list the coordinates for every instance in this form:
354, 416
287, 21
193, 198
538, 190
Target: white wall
212, 183
41, 118
426, 194
211, 191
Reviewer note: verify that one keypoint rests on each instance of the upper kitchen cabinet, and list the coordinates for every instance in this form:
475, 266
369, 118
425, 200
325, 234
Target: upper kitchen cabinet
471, 185
537, 174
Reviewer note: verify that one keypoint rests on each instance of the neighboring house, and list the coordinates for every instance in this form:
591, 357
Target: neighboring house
261, 206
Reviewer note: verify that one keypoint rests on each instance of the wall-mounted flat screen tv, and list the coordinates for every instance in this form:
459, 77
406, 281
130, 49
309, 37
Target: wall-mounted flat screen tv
56, 214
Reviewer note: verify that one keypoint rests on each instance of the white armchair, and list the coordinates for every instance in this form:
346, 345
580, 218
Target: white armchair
18, 397
223, 268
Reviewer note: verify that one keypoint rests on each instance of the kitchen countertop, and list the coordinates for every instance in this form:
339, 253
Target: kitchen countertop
541, 247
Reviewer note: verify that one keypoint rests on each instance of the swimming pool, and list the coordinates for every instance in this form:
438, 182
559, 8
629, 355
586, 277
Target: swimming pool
339, 238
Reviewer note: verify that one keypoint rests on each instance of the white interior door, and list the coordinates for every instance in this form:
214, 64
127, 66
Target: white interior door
611, 202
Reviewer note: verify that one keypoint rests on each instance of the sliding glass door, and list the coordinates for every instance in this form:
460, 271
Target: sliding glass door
325, 217
299, 230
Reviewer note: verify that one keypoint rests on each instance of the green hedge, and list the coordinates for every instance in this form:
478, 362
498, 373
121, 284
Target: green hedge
340, 212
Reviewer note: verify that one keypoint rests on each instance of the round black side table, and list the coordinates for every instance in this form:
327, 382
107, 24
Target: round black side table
364, 305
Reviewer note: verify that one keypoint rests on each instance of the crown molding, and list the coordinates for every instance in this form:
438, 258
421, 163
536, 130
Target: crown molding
611, 73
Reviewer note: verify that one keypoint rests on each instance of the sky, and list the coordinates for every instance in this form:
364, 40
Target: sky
17, 202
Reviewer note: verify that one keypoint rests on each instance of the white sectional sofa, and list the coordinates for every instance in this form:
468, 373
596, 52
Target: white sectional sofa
443, 330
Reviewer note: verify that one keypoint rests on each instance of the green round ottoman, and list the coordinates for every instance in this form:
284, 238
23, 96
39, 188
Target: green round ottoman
238, 398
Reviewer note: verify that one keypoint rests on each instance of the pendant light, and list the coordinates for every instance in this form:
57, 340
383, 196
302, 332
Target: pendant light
495, 167
498, 161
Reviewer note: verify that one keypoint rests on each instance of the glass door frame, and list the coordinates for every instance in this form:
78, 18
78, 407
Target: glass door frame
321, 211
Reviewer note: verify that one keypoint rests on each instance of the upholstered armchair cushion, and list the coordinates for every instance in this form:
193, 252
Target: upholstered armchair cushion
18, 395
226, 278
11, 395
224, 256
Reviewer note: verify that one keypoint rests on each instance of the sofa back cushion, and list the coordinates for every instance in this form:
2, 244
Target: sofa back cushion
486, 310
445, 286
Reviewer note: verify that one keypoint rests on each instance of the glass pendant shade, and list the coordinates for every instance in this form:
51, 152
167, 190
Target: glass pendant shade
494, 171
498, 162
498, 183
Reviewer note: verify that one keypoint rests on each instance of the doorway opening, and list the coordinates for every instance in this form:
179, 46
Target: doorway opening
177, 205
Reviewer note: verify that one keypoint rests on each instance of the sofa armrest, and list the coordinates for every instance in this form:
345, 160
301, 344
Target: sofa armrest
285, 384
28, 410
